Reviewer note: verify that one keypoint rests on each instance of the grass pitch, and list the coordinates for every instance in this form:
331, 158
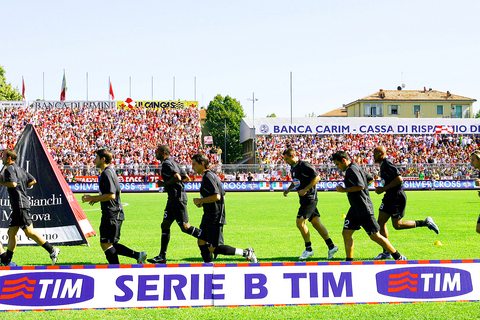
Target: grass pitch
266, 222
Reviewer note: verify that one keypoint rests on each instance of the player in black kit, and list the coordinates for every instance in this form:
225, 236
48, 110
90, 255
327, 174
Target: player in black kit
475, 160
112, 211
176, 209
394, 200
361, 212
17, 182
304, 180
213, 202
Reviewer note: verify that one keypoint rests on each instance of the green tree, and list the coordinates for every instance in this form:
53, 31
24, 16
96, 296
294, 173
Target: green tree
273, 115
477, 115
220, 111
7, 92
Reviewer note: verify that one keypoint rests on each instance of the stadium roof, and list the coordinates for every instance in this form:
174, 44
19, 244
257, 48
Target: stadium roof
339, 112
411, 95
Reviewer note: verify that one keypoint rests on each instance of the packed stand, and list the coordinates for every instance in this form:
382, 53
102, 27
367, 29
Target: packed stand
415, 154
72, 135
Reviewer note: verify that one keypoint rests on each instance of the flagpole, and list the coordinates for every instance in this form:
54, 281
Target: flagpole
152, 88
130, 85
43, 85
173, 88
109, 84
195, 89
87, 86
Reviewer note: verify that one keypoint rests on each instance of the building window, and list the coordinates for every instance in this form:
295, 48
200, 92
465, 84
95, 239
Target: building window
373, 109
439, 110
394, 109
416, 110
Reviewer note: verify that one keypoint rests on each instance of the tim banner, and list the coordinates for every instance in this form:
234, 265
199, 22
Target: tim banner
55, 211
92, 187
243, 284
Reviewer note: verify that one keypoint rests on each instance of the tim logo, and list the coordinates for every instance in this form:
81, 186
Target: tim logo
424, 282
45, 289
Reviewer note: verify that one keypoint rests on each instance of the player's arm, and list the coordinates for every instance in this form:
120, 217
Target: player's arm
176, 178
31, 183
100, 198
395, 182
8, 184
210, 199
290, 188
349, 189
312, 184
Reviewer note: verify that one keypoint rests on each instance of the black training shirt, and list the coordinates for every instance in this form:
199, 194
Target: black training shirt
388, 172
108, 183
213, 213
169, 169
302, 174
360, 201
18, 195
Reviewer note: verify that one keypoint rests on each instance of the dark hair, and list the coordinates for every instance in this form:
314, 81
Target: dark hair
11, 153
475, 153
201, 158
164, 148
105, 153
289, 152
339, 155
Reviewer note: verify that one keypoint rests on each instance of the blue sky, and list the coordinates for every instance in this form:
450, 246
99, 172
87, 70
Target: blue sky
338, 51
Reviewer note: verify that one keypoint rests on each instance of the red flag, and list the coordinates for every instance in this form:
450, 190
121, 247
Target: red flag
64, 88
112, 96
24, 96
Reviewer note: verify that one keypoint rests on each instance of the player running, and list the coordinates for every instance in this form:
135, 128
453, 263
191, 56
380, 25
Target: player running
394, 200
213, 202
361, 213
304, 180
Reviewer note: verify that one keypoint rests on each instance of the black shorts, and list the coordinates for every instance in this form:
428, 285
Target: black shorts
110, 230
212, 234
21, 218
176, 210
354, 220
394, 204
308, 209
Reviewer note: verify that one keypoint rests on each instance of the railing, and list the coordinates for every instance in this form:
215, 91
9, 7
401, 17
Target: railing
326, 171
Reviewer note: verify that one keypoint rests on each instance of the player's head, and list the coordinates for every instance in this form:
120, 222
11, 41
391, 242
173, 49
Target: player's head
163, 151
290, 156
475, 159
103, 156
341, 160
9, 154
379, 153
200, 163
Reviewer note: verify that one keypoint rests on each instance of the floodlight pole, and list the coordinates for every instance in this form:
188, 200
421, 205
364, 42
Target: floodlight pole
253, 102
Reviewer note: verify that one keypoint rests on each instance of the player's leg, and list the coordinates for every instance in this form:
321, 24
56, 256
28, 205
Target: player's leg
348, 242
478, 222
383, 218
386, 245
302, 226
108, 236
216, 246
124, 250
181, 215
12, 244
317, 224
207, 256
168, 218
36, 236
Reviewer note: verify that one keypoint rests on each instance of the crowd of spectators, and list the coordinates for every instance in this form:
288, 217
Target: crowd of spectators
73, 135
403, 149
428, 155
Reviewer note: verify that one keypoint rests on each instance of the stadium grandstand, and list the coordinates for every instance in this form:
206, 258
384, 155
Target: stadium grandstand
72, 134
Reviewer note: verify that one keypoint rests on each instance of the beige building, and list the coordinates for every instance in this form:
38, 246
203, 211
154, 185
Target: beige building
412, 104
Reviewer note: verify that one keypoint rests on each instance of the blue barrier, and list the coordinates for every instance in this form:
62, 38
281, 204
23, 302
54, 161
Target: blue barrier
92, 187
